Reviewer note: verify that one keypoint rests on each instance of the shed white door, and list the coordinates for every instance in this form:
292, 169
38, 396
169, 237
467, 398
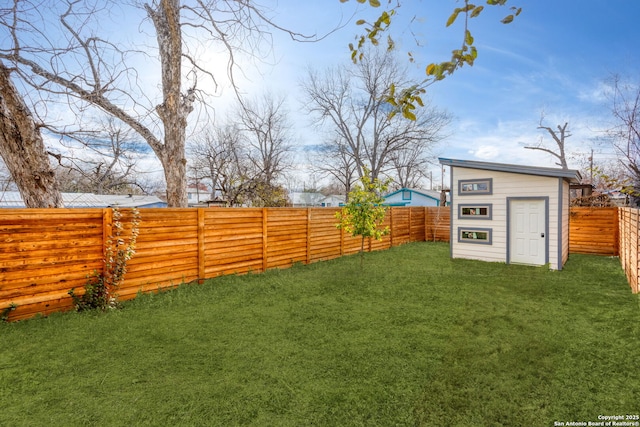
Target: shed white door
527, 232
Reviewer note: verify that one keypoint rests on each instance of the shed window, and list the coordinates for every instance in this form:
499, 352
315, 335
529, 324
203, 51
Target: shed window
406, 195
475, 186
474, 235
474, 211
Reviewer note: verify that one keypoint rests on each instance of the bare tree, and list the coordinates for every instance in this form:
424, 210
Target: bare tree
351, 102
410, 166
334, 160
106, 163
62, 57
265, 126
246, 158
559, 138
625, 135
218, 155
23, 150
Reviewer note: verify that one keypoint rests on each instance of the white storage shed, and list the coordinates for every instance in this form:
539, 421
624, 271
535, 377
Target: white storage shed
510, 213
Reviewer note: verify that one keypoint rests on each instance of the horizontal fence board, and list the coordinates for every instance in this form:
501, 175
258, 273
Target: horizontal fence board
593, 230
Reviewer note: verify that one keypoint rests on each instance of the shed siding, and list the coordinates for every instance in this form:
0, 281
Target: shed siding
504, 185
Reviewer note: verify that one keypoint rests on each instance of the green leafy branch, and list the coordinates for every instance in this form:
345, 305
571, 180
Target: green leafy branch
405, 100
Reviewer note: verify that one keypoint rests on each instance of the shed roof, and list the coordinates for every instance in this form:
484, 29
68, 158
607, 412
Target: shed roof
570, 174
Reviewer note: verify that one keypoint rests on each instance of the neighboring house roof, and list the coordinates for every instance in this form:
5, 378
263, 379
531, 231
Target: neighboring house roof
199, 188
333, 200
431, 194
132, 201
13, 199
570, 174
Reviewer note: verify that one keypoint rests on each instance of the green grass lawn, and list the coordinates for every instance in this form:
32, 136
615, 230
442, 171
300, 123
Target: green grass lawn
414, 339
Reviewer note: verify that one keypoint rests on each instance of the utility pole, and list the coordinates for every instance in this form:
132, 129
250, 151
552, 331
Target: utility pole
591, 168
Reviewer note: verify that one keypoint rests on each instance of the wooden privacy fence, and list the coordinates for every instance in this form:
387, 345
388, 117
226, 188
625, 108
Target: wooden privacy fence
46, 252
593, 231
629, 222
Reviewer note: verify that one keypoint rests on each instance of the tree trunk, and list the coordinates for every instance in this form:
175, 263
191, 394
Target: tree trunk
176, 107
23, 150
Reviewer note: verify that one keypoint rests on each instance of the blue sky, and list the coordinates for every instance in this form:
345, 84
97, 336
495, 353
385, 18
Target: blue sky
554, 59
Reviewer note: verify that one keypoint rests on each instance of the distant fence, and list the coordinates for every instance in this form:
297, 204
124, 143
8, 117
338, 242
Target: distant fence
46, 252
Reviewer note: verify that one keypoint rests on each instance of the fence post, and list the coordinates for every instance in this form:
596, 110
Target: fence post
201, 246
426, 223
341, 241
391, 227
636, 250
410, 224
308, 235
107, 232
264, 239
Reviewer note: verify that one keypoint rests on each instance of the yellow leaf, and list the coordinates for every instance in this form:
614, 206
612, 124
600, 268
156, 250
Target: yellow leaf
374, 3
409, 115
386, 19
468, 38
453, 17
507, 20
431, 69
476, 11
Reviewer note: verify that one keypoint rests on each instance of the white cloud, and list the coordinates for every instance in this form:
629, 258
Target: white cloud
486, 152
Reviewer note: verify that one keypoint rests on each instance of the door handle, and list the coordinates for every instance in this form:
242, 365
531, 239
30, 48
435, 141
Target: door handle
541, 234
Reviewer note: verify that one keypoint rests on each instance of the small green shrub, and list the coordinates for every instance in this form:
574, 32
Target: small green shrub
100, 291
364, 213
96, 296
4, 314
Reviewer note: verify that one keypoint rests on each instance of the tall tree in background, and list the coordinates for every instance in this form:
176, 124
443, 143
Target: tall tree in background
335, 161
559, 137
245, 159
62, 57
23, 150
625, 135
351, 103
218, 156
267, 131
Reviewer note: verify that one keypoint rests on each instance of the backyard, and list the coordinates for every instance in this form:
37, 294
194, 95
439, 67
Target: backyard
413, 338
